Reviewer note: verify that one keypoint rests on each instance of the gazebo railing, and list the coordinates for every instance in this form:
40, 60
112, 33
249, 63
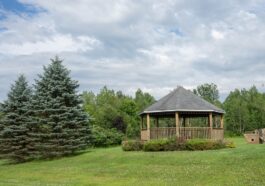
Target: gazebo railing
162, 132
186, 132
195, 132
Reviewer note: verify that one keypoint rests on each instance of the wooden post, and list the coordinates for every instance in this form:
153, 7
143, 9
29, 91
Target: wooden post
148, 126
177, 124
222, 121
211, 124
210, 120
157, 123
142, 123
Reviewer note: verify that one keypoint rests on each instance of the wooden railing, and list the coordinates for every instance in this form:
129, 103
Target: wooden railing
184, 132
217, 134
144, 135
162, 132
195, 132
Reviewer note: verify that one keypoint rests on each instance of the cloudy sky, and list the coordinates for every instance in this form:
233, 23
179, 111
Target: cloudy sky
126, 44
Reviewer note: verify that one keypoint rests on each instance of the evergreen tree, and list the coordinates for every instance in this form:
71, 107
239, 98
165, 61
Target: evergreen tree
60, 125
14, 124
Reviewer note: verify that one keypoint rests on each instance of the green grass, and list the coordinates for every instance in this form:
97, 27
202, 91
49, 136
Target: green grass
244, 165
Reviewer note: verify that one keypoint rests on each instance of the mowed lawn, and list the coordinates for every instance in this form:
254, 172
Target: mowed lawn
244, 165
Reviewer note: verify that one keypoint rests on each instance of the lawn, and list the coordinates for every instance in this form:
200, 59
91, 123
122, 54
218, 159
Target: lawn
244, 165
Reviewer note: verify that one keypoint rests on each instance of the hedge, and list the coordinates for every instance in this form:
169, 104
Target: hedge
132, 145
175, 145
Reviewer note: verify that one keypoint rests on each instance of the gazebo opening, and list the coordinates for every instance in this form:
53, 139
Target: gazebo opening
182, 114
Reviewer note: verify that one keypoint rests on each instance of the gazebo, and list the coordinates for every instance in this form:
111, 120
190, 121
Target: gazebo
184, 115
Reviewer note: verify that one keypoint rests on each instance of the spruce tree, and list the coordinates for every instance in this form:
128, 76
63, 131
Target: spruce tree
14, 122
60, 125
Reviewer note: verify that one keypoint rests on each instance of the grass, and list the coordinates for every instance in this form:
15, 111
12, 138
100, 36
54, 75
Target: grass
243, 165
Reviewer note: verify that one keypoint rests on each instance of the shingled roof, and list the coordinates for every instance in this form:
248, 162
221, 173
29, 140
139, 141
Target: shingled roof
182, 100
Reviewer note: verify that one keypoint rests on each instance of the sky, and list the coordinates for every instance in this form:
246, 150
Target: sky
126, 44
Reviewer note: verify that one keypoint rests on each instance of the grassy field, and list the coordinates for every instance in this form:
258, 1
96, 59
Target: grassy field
244, 165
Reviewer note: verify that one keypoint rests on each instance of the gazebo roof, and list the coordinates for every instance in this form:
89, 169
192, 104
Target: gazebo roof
182, 100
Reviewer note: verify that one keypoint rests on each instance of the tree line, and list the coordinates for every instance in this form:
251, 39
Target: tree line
114, 115
245, 108
51, 119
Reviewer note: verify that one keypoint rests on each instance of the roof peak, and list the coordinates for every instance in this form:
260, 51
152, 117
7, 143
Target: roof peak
181, 99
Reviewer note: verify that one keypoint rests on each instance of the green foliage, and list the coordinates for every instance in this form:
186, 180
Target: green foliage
14, 139
132, 145
102, 137
200, 144
230, 134
156, 145
244, 110
143, 100
177, 145
109, 109
59, 124
209, 92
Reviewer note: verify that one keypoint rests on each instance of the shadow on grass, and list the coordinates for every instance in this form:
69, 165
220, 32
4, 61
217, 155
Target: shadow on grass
5, 162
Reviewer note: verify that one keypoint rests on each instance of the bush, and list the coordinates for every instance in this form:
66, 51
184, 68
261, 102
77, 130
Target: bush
201, 144
132, 145
230, 144
156, 145
102, 137
175, 144
164, 145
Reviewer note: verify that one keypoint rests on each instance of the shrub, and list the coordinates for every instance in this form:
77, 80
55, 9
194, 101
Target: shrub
201, 144
164, 145
132, 145
156, 145
230, 144
175, 144
102, 137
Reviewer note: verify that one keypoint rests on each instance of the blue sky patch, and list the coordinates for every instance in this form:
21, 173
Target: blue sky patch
17, 7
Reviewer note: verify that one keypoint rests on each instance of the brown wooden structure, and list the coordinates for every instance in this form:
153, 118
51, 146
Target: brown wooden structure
255, 137
179, 107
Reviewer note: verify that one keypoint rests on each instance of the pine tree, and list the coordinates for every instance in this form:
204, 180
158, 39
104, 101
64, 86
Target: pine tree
60, 125
14, 123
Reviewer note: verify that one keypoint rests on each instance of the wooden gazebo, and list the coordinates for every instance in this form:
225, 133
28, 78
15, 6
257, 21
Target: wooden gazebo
182, 114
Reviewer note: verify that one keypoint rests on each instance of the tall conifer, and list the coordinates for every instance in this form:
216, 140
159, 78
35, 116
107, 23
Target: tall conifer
60, 125
14, 137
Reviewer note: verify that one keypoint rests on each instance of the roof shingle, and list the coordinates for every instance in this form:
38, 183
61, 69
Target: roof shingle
184, 100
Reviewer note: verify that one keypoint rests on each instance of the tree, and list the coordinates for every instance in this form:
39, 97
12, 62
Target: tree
60, 126
143, 100
209, 92
14, 122
237, 113
245, 110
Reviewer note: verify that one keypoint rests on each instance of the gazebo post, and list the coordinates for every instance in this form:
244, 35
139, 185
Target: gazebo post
148, 126
177, 124
157, 122
142, 123
211, 123
222, 121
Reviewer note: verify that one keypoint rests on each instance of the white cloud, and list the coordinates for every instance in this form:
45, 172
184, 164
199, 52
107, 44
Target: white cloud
55, 44
127, 44
217, 35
